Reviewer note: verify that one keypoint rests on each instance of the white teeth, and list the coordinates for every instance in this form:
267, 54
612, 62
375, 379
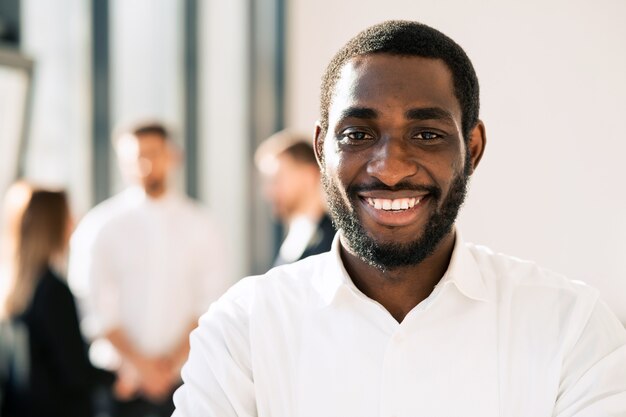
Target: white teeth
397, 204
377, 204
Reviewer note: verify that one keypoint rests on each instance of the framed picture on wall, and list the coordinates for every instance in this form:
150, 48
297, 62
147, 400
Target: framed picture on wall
15, 93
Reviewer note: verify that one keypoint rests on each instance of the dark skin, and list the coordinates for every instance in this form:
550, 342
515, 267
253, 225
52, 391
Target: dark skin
395, 120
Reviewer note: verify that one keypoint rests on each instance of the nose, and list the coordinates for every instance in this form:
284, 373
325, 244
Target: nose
392, 161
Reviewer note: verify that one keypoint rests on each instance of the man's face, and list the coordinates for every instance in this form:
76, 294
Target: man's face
394, 163
146, 159
285, 184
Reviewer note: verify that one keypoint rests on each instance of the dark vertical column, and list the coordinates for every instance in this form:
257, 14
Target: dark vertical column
280, 64
101, 100
267, 111
10, 22
190, 111
255, 243
279, 86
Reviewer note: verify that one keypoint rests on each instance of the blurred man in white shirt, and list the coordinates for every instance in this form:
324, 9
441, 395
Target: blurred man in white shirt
402, 317
151, 262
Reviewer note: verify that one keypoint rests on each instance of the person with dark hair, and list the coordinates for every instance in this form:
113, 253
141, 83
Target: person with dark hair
50, 372
402, 317
292, 184
149, 261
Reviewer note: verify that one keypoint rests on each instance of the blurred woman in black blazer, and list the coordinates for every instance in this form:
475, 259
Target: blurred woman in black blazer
60, 375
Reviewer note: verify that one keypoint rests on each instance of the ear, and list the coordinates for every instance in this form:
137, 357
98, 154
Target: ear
476, 145
318, 144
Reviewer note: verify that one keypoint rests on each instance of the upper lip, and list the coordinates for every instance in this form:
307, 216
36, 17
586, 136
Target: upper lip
393, 195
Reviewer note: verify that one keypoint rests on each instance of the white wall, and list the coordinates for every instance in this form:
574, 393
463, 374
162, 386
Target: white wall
56, 36
146, 68
146, 61
553, 79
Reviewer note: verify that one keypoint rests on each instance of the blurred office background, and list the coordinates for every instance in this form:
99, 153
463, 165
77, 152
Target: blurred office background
225, 74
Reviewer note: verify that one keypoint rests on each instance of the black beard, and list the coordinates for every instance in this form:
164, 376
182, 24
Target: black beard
390, 256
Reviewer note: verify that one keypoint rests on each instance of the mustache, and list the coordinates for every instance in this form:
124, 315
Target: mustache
377, 185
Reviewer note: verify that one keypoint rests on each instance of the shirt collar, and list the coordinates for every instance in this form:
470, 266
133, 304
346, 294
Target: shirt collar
136, 194
334, 275
463, 272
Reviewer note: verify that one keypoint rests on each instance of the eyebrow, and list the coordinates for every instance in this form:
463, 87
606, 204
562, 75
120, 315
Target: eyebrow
429, 113
358, 113
426, 113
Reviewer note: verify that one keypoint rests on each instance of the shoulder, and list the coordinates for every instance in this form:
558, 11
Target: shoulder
102, 215
535, 304
112, 206
509, 272
51, 289
284, 287
523, 287
192, 208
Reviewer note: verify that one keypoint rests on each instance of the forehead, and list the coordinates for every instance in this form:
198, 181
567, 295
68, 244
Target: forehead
389, 82
150, 139
272, 165
131, 146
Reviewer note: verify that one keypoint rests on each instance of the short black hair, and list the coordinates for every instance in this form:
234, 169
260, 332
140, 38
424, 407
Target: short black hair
150, 128
288, 142
406, 38
302, 152
143, 128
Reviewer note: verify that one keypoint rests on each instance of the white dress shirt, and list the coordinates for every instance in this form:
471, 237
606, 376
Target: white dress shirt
497, 337
151, 267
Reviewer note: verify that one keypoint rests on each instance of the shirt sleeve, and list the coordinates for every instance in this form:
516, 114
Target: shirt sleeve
593, 382
217, 378
80, 245
104, 292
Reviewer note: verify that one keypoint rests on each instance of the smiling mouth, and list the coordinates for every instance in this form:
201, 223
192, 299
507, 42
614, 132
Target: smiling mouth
397, 204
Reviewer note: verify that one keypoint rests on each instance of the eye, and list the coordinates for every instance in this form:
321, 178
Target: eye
427, 136
355, 136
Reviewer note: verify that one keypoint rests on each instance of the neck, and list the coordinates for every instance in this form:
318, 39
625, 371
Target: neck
401, 289
155, 192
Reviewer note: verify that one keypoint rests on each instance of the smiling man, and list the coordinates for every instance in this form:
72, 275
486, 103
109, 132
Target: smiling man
402, 317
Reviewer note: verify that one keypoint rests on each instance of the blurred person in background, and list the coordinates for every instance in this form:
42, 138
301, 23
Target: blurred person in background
59, 378
151, 263
292, 185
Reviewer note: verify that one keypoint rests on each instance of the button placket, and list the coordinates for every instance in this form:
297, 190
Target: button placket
392, 372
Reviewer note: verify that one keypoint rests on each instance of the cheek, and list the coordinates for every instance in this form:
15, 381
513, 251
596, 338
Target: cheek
336, 185
159, 167
461, 160
445, 167
291, 188
331, 154
338, 165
